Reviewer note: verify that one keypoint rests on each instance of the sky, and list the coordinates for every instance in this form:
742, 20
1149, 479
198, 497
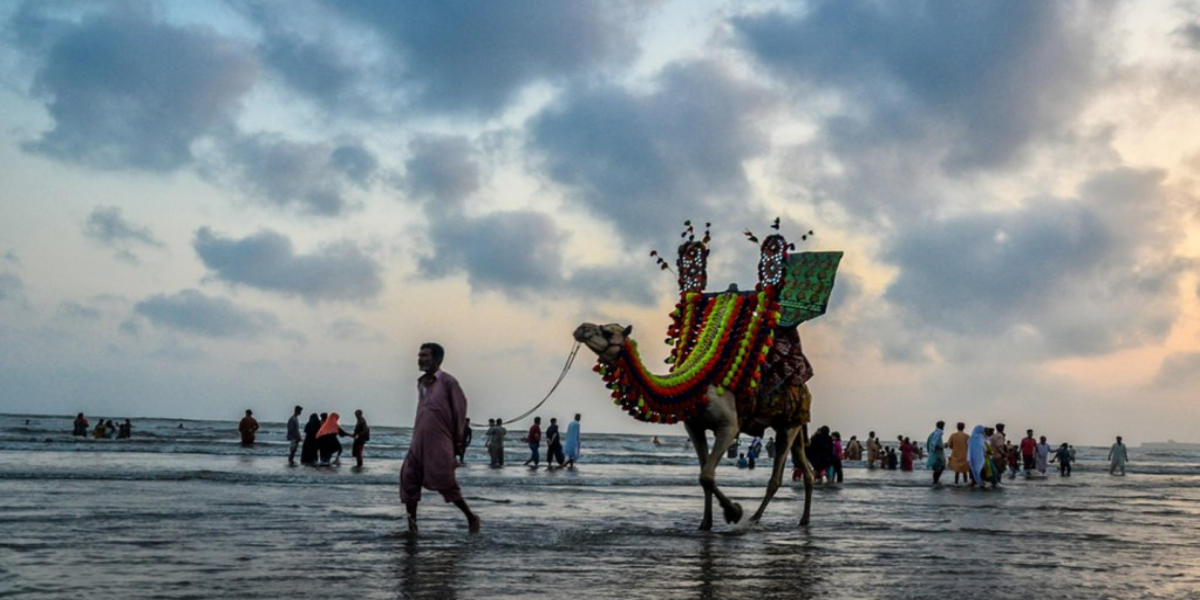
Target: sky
212, 206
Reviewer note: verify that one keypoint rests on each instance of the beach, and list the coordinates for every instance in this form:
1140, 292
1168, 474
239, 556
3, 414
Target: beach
188, 513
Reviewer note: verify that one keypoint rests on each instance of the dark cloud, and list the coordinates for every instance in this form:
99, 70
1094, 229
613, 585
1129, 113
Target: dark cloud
615, 283
319, 69
1081, 276
315, 178
1190, 34
515, 252
465, 56
267, 261
443, 170
107, 226
519, 254
74, 310
127, 90
190, 311
972, 82
12, 289
645, 159
1179, 371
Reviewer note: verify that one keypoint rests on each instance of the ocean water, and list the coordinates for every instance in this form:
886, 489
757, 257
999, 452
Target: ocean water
188, 513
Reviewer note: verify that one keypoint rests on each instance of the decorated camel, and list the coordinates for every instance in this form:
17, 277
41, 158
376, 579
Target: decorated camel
736, 361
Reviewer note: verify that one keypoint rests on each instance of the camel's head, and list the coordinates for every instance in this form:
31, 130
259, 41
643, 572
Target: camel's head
605, 340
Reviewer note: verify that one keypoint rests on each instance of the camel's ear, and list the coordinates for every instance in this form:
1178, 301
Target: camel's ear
628, 330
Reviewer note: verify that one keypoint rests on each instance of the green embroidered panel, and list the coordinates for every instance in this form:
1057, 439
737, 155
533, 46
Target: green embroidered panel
807, 285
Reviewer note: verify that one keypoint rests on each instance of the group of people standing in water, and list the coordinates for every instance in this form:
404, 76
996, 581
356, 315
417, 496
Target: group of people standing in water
320, 443
980, 458
105, 430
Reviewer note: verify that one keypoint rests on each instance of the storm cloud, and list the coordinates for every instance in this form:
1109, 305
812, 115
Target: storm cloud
267, 261
315, 178
1085, 275
642, 159
470, 57
442, 170
125, 89
974, 82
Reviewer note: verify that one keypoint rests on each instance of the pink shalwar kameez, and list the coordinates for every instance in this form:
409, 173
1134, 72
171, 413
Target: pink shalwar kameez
430, 462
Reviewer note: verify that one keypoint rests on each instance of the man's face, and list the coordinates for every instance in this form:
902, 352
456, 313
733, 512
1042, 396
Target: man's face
425, 361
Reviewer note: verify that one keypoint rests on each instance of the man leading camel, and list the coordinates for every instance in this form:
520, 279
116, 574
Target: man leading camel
430, 462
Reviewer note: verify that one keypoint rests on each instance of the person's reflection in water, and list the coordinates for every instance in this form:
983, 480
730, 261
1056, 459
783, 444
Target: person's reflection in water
429, 571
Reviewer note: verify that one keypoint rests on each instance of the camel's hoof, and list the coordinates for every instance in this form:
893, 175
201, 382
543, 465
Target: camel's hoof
706, 526
804, 521
733, 513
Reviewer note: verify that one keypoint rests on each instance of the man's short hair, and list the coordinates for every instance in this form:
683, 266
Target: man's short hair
435, 349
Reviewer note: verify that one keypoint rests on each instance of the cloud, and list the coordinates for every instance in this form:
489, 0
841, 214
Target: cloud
972, 83
642, 159
106, 226
267, 261
190, 311
12, 289
74, 310
347, 329
443, 170
1080, 276
313, 177
471, 57
515, 252
519, 254
1179, 371
1190, 34
126, 90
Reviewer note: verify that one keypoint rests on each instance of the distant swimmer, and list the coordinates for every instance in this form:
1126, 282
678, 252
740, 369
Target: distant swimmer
430, 462
656, 441
1117, 456
125, 430
247, 427
81, 425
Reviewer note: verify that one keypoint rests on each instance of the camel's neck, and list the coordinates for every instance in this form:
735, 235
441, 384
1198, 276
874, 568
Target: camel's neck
721, 342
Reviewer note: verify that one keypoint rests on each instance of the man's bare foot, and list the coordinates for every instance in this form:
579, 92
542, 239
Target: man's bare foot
412, 525
474, 523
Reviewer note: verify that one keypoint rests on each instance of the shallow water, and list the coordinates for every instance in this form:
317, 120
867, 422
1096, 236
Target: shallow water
90, 519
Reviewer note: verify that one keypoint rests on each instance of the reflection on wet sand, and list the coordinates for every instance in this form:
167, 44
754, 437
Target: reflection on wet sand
426, 569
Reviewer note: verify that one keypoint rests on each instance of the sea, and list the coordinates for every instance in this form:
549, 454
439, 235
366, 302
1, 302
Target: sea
182, 511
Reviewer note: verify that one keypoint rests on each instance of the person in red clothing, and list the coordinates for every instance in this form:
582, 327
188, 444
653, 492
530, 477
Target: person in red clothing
535, 442
1028, 448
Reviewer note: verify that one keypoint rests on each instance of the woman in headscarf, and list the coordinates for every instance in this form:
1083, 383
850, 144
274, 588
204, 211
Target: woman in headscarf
977, 454
906, 454
308, 451
327, 439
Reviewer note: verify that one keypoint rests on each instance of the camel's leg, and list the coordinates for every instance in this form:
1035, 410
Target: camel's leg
776, 480
724, 435
700, 442
800, 458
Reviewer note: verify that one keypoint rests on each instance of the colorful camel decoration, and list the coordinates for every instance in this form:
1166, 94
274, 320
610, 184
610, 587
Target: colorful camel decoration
736, 362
